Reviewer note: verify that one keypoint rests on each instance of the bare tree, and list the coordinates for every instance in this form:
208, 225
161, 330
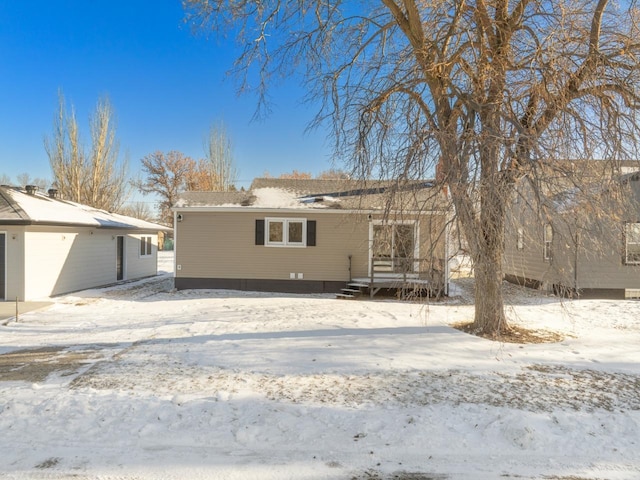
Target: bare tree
139, 210
107, 185
483, 91
333, 174
98, 179
5, 179
295, 174
220, 161
65, 153
25, 179
166, 176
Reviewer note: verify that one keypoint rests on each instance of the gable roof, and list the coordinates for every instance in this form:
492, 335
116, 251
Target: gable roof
279, 193
17, 207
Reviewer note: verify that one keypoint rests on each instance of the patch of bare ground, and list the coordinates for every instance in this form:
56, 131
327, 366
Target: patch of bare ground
373, 475
35, 365
514, 334
572, 477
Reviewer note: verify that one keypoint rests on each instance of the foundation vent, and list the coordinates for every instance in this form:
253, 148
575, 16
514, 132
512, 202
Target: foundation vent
632, 293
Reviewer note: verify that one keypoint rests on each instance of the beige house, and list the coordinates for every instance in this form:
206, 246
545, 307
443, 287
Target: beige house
49, 246
313, 236
583, 242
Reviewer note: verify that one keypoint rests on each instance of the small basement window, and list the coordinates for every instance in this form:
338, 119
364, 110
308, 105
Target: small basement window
145, 246
520, 240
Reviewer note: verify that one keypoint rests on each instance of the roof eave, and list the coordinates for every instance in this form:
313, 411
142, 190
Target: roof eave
82, 225
301, 210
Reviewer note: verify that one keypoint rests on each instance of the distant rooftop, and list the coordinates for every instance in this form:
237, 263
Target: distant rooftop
278, 193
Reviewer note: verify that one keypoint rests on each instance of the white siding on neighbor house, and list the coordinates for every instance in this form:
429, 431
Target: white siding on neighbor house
529, 261
62, 260
595, 262
601, 265
137, 266
66, 260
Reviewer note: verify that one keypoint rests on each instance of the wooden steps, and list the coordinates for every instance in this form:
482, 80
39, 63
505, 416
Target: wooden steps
352, 291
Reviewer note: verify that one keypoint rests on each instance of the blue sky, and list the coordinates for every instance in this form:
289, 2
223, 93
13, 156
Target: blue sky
166, 85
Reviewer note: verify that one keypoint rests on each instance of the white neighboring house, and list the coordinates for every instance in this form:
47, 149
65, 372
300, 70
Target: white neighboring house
50, 246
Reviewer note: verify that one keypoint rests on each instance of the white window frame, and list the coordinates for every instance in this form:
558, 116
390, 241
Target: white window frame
520, 239
285, 232
547, 241
627, 243
147, 240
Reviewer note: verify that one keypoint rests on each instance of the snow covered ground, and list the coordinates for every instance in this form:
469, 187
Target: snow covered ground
140, 382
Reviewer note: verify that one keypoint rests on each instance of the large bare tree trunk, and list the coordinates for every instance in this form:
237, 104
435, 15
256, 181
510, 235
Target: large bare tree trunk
489, 306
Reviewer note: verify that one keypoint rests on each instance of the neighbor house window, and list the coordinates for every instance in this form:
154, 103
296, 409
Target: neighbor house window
286, 232
548, 241
520, 244
632, 243
145, 246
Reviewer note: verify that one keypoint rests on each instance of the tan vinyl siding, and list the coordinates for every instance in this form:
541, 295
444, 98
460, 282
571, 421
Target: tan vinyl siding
222, 245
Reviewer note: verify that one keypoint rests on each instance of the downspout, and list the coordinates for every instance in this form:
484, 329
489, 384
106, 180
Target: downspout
447, 242
449, 218
575, 262
175, 246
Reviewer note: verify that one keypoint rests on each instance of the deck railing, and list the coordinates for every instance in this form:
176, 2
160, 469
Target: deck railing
405, 270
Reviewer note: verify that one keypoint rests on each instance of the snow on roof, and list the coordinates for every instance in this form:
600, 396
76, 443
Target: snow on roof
276, 198
42, 209
315, 194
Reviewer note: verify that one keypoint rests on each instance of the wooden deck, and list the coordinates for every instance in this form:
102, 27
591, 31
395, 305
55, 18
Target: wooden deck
406, 286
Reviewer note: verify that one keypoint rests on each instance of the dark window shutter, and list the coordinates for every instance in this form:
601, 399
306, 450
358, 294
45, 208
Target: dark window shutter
259, 232
311, 233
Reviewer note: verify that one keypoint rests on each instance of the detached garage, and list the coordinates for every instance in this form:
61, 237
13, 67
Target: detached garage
50, 246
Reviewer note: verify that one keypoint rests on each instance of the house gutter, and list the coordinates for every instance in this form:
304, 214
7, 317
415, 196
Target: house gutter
298, 211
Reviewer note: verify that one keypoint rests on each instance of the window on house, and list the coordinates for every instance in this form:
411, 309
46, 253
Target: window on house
286, 232
145, 246
548, 241
520, 238
632, 243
